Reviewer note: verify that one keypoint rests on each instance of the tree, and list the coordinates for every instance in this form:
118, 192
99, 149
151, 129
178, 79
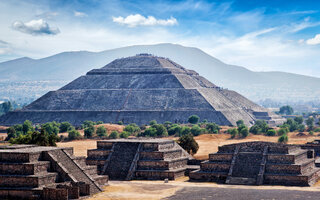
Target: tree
120, 123
283, 138
160, 130
263, 125
11, 133
175, 129
88, 123
212, 128
65, 127
89, 131
185, 130
255, 129
188, 143
101, 131
124, 134
286, 110
240, 122
51, 127
99, 122
73, 134
310, 123
244, 132
298, 119
6, 107
27, 126
39, 138
196, 130
133, 129
282, 131
150, 132
193, 119
114, 135
301, 127
152, 122
271, 132
233, 132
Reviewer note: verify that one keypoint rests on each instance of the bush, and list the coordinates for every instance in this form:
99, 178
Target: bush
101, 131
240, 122
185, 130
65, 127
114, 135
263, 126
283, 138
244, 132
87, 124
311, 132
301, 127
188, 143
212, 128
150, 132
175, 129
27, 126
196, 130
193, 119
152, 122
298, 119
124, 134
99, 122
271, 132
73, 134
120, 123
255, 129
233, 132
39, 138
160, 130
132, 129
282, 131
317, 130
11, 133
51, 127
167, 124
310, 123
89, 131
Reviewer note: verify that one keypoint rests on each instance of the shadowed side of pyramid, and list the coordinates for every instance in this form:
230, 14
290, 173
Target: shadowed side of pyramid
139, 89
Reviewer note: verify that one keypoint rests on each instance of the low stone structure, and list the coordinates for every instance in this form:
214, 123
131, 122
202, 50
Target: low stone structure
35, 172
257, 163
126, 159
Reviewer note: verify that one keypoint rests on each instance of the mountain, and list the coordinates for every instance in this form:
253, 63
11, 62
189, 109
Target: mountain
66, 66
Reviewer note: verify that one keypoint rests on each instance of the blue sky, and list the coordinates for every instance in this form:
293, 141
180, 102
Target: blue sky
273, 35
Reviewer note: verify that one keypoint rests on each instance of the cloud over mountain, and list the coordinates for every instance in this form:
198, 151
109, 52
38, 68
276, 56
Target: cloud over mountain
139, 20
35, 27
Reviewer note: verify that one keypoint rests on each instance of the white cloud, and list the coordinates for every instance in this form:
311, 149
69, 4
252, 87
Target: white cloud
79, 14
314, 41
139, 20
35, 27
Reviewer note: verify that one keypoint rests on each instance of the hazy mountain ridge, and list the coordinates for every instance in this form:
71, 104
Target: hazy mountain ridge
67, 66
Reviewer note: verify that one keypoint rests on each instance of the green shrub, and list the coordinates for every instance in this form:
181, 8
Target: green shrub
27, 126
99, 122
175, 129
160, 130
133, 129
185, 130
196, 130
233, 132
302, 127
89, 131
212, 128
188, 143
11, 133
101, 131
240, 122
73, 134
282, 131
298, 119
271, 132
311, 133
263, 126
317, 129
114, 135
152, 122
51, 127
87, 124
65, 127
167, 124
255, 129
244, 132
39, 138
283, 138
150, 132
124, 134
120, 123
193, 119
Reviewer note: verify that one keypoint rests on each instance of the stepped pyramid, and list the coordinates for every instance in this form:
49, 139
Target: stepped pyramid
257, 163
139, 89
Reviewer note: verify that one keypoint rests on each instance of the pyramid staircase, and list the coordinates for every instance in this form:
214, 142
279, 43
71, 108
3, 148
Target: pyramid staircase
127, 159
257, 163
33, 172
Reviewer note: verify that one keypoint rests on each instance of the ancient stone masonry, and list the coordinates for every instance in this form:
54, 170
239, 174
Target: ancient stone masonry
126, 159
256, 163
137, 90
34, 172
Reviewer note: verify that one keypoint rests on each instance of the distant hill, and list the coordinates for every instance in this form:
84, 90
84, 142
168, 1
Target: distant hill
66, 66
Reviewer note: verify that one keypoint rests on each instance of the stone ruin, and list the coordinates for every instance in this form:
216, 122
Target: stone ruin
137, 90
51, 173
257, 163
127, 159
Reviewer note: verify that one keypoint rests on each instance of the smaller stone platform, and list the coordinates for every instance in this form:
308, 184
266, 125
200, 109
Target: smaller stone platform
53, 173
257, 163
127, 159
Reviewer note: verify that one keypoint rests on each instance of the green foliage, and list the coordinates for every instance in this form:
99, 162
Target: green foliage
87, 124
167, 124
11, 133
188, 143
298, 119
174, 129
311, 132
152, 122
99, 122
286, 110
240, 122
263, 126
89, 131
317, 130
310, 123
65, 127
271, 132
133, 129
39, 138
233, 132
101, 131
212, 128
244, 132
255, 129
282, 131
73, 134
158, 130
51, 127
124, 134
185, 130
283, 138
150, 132
120, 123
114, 135
27, 126
193, 119
302, 127
196, 130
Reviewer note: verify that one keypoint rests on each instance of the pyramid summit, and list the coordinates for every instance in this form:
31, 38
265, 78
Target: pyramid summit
139, 89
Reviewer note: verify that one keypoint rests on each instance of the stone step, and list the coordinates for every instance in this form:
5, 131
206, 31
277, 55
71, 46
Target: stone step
159, 174
24, 168
31, 181
160, 155
300, 168
90, 169
200, 175
215, 166
241, 181
101, 180
162, 164
19, 157
221, 157
96, 161
81, 160
98, 153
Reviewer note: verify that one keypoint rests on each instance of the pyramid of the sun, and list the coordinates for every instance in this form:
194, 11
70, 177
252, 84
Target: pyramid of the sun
139, 89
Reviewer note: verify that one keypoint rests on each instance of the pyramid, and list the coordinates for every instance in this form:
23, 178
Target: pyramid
138, 89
